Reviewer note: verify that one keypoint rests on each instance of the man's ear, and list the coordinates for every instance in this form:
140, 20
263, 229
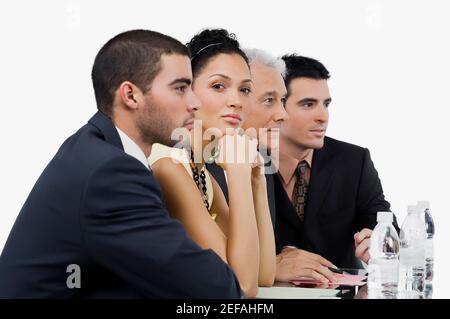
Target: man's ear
129, 94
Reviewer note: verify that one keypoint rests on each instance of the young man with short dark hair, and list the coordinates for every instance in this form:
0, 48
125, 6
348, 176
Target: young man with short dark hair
94, 225
327, 192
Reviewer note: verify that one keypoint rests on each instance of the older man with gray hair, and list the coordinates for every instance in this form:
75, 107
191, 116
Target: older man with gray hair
266, 112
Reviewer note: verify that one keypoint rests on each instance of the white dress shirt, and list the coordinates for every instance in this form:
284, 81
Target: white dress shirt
132, 149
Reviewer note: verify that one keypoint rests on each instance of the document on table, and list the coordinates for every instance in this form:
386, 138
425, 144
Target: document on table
342, 280
295, 293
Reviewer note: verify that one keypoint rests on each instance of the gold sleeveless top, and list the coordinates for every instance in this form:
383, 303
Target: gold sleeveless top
180, 155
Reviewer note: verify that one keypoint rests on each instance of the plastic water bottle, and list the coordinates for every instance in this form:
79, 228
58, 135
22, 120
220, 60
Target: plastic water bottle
412, 255
424, 208
383, 263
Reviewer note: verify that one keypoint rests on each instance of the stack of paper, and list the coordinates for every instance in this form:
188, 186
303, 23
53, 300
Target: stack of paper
342, 280
295, 293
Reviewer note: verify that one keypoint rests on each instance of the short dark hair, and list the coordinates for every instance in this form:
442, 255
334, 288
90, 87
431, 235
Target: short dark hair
130, 56
303, 67
209, 43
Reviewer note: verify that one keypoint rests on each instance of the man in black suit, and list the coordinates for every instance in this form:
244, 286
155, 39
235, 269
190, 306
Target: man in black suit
94, 225
327, 192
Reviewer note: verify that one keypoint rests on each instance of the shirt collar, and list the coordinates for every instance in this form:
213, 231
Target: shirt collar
289, 164
132, 149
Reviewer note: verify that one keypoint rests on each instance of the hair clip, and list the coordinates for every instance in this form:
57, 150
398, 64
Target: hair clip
204, 48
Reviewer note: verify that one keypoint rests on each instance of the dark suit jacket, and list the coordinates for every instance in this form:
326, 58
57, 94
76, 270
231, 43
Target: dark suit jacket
99, 208
344, 197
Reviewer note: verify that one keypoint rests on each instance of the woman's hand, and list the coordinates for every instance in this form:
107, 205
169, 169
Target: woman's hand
237, 151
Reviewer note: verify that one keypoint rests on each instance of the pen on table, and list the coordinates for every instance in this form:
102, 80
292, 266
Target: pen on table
336, 270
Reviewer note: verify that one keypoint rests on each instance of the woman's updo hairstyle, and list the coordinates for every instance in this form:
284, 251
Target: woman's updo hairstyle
209, 43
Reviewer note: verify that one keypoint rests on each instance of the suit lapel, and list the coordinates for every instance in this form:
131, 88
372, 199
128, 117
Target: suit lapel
321, 179
284, 208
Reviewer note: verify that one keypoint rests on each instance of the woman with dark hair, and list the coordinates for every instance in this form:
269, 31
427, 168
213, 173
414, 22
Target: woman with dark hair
239, 231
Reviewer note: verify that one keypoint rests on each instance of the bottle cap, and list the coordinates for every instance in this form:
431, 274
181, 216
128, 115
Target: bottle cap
385, 217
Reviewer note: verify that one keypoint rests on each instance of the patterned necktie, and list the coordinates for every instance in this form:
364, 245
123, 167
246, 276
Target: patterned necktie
300, 190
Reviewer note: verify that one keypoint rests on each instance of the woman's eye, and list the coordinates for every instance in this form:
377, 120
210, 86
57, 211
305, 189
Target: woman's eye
218, 86
246, 90
269, 100
309, 104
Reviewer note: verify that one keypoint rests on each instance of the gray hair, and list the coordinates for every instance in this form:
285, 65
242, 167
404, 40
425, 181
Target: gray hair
257, 55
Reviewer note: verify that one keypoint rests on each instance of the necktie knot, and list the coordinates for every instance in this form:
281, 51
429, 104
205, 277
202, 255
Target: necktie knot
301, 168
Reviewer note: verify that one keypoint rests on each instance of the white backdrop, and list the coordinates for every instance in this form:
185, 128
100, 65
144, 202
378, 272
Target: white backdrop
389, 62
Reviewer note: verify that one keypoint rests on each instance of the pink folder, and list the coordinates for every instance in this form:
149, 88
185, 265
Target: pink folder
342, 280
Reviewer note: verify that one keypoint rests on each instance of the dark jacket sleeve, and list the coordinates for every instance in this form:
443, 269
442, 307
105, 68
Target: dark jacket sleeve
127, 230
370, 195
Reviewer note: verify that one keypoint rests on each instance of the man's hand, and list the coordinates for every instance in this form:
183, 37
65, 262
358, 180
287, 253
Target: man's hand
293, 263
362, 239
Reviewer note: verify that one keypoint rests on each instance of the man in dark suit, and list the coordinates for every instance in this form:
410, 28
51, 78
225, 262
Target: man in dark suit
94, 225
327, 192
